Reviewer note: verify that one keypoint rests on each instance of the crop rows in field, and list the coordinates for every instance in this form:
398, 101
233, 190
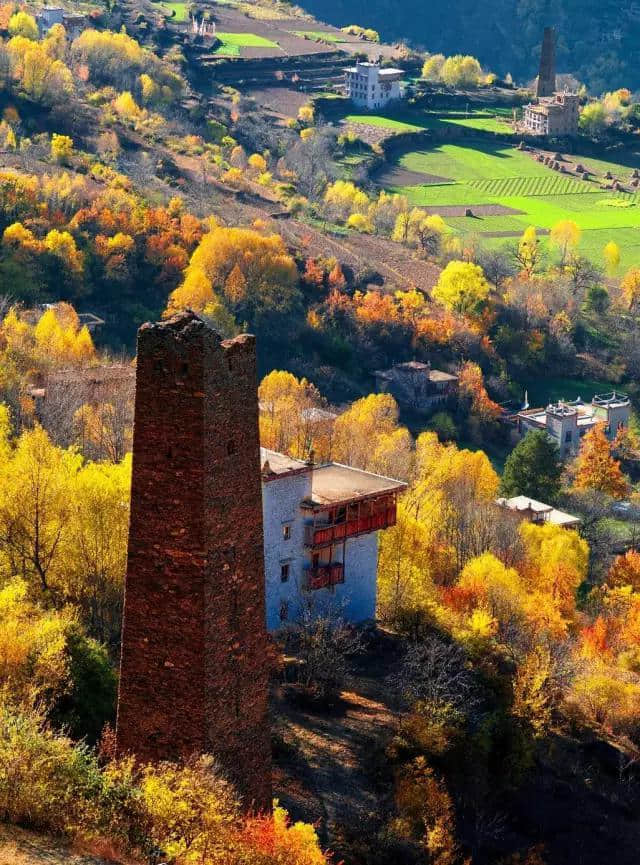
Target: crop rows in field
531, 186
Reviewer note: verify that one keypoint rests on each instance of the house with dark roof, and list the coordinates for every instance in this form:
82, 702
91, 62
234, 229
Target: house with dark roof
416, 386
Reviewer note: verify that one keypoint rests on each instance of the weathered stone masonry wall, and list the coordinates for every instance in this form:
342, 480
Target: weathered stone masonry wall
194, 666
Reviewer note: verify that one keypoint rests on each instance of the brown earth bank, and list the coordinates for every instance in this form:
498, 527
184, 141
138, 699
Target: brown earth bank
19, 847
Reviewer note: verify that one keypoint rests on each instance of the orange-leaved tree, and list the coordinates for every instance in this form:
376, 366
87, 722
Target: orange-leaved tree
625, 571
595, 467
471, 385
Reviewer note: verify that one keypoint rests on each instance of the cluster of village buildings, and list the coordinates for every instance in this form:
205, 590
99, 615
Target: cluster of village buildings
322, 521
554, 113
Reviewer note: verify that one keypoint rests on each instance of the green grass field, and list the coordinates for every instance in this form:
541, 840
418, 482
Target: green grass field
413, 121
466, 163
180, 10
318, 34
233, 43
487, 172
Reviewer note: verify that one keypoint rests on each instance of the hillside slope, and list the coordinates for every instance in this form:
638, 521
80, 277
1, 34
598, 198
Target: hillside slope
598, 41
18, 847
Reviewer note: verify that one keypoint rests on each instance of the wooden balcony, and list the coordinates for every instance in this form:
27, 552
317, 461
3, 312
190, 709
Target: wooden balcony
325, 575
321, 536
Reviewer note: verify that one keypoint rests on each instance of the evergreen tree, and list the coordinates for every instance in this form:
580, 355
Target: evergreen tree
533, 468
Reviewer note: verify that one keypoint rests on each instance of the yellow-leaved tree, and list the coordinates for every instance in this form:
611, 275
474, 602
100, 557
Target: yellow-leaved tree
34, 663
630, 288
292, 417
367, 436
529, 252
63, 526
253, 274
565, 236
461, 287
555, 563
446, 518
611, 255
35, 504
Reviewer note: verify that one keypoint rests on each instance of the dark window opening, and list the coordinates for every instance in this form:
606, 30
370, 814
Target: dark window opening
286, 532
184, 368
284, 611
169, 453
285, 569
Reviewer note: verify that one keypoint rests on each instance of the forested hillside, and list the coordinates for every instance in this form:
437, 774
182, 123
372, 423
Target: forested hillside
598, 42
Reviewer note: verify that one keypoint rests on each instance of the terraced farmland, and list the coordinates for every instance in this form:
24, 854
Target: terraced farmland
482, 173
551, 185
233, 43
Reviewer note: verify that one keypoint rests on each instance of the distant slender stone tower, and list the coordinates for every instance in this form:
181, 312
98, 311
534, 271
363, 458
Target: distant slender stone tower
194, 670
547, 73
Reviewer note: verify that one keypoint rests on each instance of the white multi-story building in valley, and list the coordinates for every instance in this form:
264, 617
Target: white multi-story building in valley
321, 525
567, 422
371, 86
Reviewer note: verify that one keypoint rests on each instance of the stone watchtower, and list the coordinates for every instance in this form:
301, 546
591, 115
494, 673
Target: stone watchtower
547, 74
194, 666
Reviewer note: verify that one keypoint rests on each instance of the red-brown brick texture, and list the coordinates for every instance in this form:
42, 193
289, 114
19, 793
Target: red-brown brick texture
194, 667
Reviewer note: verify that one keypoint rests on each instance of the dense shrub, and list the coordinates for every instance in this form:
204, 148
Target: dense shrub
189, 812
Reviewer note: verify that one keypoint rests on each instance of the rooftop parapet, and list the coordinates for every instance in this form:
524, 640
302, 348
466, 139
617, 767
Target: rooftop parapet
611, 400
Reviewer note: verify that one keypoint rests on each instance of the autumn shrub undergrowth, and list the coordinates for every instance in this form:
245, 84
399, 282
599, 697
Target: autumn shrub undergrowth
189, 812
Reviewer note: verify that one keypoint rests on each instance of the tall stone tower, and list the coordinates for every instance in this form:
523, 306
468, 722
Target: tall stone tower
194, 669
547, 73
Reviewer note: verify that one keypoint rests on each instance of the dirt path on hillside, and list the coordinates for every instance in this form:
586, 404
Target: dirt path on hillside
324, 765
18, 847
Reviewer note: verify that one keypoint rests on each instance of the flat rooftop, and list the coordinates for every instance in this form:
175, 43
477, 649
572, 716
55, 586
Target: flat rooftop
281, 464
331, 483
334, 484
548, 513
383, 73
539, 416
439, 375
524, 503
588, 414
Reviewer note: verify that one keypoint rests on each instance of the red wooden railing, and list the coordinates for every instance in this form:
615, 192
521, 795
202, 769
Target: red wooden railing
325, 575
318, 537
